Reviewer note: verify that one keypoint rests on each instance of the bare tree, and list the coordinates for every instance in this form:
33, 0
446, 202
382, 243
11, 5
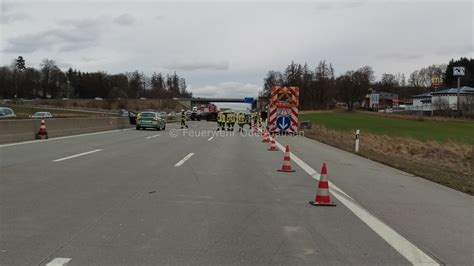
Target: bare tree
353, 85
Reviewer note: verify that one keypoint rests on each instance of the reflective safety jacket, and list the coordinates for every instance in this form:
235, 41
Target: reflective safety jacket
230, 118
221, 118
241, 118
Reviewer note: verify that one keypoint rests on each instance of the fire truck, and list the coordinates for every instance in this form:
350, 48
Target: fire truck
205, 112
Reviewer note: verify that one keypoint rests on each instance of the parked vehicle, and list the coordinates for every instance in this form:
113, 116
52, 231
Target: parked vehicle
42, 115
123, 112
6, 112
208, 113
150, 120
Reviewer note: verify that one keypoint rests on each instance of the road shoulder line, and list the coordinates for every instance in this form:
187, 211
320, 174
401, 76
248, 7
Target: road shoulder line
408, 250
60, 138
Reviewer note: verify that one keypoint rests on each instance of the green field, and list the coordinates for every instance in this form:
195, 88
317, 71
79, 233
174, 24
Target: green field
440, 131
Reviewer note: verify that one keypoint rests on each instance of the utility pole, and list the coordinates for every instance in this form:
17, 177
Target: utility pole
459, 92
458, 72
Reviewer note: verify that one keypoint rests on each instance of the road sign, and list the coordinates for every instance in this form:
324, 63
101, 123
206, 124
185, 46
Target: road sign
284, 102
248, 100
458, 71
283, 123
436, 82
374, 99
283, 112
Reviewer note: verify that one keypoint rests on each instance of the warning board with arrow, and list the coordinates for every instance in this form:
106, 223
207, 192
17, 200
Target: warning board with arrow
284, 109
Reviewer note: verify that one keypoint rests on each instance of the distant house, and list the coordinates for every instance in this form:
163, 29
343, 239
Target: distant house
382, 100
421, 102
447, 99
443, 100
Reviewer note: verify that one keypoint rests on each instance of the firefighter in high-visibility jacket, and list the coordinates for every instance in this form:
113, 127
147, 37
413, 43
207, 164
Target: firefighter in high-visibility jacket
255, 119
183, 119
241, 121
230, 120
220, 121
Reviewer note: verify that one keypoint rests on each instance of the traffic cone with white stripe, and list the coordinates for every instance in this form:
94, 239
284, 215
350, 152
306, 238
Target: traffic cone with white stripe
322, 197
42, 133
286, 167
273, 146
265, 137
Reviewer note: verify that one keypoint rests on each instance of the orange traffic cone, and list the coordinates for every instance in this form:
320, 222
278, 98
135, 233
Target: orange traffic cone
286, 167
42, 133
273, 146
322, 197
265, 137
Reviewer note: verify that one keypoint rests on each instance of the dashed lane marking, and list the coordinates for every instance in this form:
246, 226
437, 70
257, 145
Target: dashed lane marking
76, 155
58, 262
178, 164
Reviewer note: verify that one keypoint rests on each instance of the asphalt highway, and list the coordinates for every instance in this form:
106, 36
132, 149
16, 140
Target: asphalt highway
129, 197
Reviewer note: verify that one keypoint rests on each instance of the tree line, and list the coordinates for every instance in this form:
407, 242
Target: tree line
321, 89
49, 81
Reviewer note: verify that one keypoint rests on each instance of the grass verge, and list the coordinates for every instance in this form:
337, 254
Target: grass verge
395, 126
449, 163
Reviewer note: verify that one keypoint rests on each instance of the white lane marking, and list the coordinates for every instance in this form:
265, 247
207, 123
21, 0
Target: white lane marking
58, 262
184, 159
76, 155
209, 139
154, 136
59, 138
408, 250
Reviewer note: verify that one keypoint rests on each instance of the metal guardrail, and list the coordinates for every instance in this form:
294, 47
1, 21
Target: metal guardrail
66, 109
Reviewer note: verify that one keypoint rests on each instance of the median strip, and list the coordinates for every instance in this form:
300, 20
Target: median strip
77, 155
178, 164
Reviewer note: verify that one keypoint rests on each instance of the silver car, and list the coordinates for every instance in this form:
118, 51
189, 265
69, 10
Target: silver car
6, 112
42, 115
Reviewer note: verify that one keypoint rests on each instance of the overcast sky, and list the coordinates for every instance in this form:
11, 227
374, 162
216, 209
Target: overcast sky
225, 49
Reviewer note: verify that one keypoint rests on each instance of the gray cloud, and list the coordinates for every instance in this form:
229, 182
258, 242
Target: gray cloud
193, 39
8, 14
329, 5
12, 17
462, 49
399, 56
29, 43
71, 35
227, 89
125, 20
199, 65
